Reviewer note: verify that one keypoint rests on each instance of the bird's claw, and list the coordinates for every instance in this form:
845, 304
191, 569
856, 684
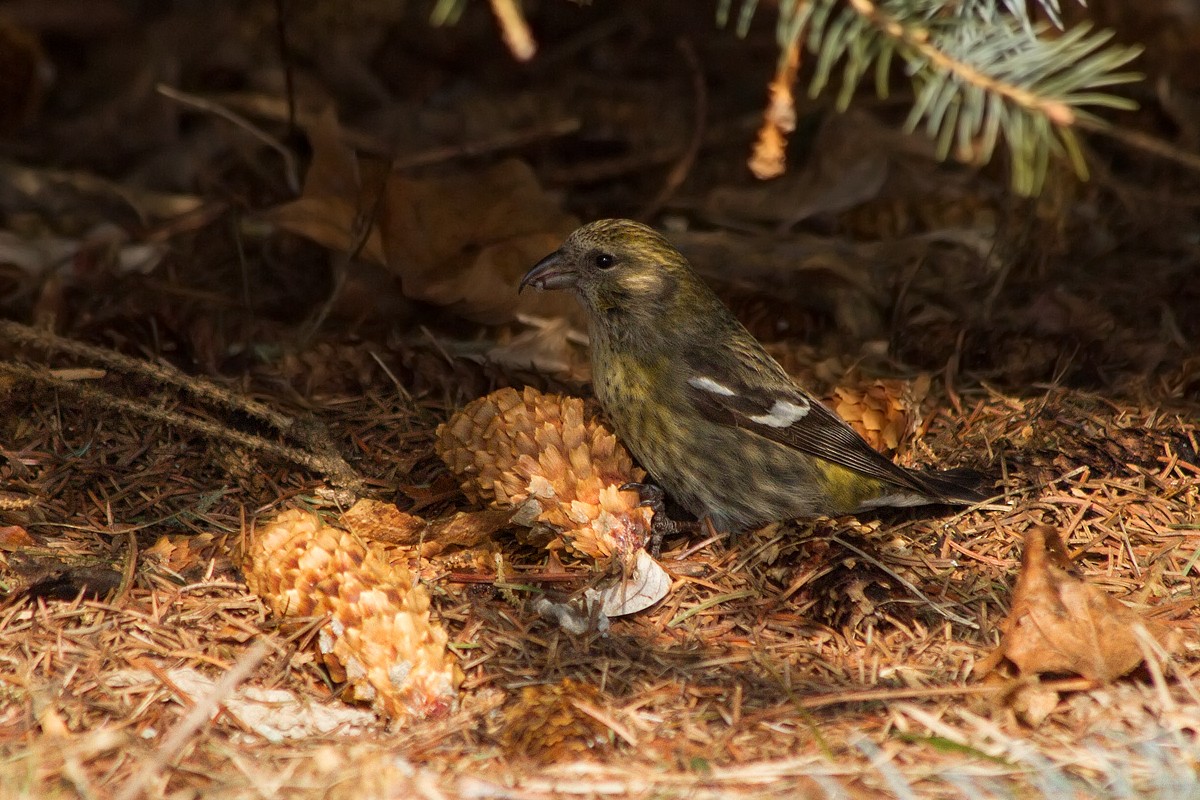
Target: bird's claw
661, 526
650, 495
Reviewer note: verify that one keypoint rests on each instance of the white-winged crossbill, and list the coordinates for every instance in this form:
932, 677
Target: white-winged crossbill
711, 416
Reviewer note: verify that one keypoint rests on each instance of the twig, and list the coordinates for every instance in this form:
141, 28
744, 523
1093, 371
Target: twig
200, 714
504, 141
310, 434
514, 29
291, 172
1056, 111
162, 374
908, 693
331, 465
403, 392
274, 109
683, 167
1141, 141
610, 168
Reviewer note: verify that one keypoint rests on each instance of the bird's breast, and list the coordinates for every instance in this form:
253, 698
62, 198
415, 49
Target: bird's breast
621, 381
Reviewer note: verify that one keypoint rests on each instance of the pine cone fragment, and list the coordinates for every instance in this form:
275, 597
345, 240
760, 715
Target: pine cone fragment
379, 636
557, 465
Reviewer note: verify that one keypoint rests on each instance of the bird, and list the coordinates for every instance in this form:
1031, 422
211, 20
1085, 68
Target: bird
712, 417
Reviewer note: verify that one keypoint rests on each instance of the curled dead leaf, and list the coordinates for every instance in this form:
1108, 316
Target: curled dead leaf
340, 189
645, 585
377, 521
1059, 623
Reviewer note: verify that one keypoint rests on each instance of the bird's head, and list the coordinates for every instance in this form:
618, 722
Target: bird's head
618, 268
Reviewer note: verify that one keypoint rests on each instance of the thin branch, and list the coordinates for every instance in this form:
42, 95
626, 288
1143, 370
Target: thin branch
290, 170
514, 29
920, 41
330, 465
159, 373
1144, 142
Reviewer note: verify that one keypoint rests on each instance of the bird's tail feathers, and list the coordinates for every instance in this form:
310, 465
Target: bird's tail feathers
961, 486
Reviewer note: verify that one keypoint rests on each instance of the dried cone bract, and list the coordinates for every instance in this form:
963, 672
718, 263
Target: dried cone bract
379, 637
545, 456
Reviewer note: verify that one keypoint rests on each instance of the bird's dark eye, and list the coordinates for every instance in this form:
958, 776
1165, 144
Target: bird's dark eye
605, 261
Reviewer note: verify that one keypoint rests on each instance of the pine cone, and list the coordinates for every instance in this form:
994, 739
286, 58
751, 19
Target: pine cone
553, 462
379, 636
547, 723
885, 412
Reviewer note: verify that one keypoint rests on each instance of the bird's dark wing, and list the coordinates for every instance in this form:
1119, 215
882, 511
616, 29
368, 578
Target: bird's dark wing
763, 400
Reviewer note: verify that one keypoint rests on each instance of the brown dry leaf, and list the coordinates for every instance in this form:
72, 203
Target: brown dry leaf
461, 241
1061, 624
180, 553
340, 188
377, 521
847, 166
548, 346
14, 537
468, 528
464, 241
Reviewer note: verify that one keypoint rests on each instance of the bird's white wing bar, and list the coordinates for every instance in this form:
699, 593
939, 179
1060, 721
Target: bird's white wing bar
709, 385
789, 417
783, 413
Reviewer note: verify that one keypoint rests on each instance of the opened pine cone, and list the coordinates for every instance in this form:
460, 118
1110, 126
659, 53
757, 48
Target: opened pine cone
379, 637
554, 463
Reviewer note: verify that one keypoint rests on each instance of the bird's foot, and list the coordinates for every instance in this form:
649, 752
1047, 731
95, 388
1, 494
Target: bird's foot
661, 525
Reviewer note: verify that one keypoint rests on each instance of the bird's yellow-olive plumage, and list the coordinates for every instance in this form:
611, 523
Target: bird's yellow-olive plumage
710, 415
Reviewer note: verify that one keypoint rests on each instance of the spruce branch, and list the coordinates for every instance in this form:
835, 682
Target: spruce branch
983, 72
